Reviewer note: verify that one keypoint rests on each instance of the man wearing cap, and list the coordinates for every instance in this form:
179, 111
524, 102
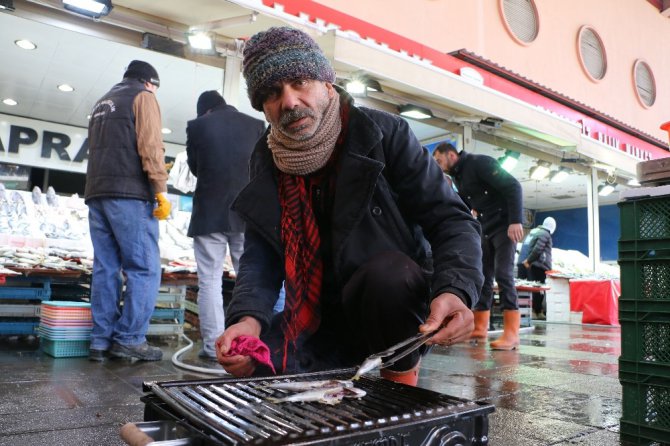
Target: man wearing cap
219, 143
338, 202
535, 260
126, 186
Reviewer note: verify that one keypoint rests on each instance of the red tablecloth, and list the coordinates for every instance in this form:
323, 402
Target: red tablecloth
597, 299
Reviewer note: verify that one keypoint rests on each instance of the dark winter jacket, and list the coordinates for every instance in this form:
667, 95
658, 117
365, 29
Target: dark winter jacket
114, 164
386, 185
490, 190
536, 249
219, 145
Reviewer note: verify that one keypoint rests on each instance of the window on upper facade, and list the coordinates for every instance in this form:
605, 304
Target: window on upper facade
592, 53
645, 85
521, 19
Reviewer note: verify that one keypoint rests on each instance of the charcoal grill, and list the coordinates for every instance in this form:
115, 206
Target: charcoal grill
225, 412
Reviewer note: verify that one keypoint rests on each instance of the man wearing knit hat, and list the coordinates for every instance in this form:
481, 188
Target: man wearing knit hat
338, 202
535, 260
219, 143
126, 186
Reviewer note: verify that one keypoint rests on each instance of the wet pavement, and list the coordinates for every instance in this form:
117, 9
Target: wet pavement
561, 388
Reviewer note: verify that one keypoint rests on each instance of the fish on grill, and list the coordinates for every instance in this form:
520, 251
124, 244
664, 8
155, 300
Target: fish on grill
326, 395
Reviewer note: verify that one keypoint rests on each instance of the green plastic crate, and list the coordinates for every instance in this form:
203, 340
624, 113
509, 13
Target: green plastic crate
645, 274
64, 349
645, 335
645, 218
645, 418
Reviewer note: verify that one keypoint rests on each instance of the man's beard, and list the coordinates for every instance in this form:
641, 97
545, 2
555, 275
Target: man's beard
294, 115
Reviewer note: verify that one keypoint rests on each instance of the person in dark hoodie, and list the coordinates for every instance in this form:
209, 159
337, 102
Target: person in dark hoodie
495, 198
339, 199
219, 143
535, 260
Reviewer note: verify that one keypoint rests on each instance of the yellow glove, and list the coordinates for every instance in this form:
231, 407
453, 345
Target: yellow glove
163, 206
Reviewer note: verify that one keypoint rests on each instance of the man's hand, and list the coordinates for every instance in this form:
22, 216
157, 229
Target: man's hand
449, 312
526, 264
237, 365
515, 232
163, 206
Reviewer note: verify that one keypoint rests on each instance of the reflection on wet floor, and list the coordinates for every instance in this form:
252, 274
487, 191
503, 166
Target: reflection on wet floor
560, 388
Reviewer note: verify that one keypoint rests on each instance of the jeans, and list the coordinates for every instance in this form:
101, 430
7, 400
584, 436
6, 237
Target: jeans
124, 233
210, 253
498, 261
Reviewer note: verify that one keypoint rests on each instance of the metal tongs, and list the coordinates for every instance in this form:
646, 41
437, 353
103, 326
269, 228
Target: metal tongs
393, 354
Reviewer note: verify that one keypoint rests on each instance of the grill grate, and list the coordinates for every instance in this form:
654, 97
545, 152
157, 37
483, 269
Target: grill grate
237, 412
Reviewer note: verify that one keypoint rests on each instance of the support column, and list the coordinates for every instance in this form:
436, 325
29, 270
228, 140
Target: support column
593, 219
231, 80
468, 139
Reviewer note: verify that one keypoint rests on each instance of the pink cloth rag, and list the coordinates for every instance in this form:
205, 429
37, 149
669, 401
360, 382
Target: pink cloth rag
254, 347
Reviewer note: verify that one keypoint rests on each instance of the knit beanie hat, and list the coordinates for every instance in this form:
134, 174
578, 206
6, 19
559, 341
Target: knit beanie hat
142, 71
278, 54
549, 224
208, 100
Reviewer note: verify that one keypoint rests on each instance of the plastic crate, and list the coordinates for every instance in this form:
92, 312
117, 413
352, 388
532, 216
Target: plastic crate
64, 349
645, 274
169, 314
645, 335
26, 288
645, 218
646, 408
18, 326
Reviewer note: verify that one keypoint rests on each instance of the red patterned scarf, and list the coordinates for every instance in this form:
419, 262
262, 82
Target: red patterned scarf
303, 264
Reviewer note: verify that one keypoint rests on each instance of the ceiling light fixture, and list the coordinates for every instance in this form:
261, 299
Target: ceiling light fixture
606, 189
414, 112
539, 171
360, 84
89, 8
200, 41
509, 160
166, 131
355, 88
9, 101
25, 44
67, 88
560, 175
633, 182
7, 5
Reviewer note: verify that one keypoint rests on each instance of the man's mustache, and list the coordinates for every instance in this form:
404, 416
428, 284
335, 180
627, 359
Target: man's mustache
293, 115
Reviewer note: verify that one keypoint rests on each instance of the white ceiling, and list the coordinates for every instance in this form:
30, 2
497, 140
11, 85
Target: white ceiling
92, 65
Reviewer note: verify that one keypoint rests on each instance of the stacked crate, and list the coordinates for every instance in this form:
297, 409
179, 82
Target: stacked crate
168, 314
65, 328
20, 299
644, 314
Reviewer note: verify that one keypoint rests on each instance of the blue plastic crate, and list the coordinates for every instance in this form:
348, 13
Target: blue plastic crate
169, 314
19, 326
30, 288
64, 349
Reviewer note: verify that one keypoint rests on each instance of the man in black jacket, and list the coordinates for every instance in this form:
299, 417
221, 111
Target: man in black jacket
219, 144
535, 260
338, 200
495, 197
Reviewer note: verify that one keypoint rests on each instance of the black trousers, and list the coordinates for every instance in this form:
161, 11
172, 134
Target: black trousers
383, 303
498, 262
536, 275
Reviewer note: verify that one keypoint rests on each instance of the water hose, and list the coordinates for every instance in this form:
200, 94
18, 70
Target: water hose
192, 368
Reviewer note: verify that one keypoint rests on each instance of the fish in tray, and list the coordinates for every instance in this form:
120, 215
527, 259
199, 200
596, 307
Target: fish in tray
331, 393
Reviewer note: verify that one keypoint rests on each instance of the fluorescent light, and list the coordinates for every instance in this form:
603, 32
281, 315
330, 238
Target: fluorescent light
86, 5
356, 88
166, 131
605, 190
25, 44
539, 172
509, 161
200, 41
9, 101
559, 176
633, 182
67, 88
415, 112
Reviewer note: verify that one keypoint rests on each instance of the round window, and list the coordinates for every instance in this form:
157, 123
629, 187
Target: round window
592, 53
521, 19
645, 85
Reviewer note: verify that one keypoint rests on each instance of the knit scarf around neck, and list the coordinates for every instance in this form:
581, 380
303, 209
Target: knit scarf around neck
307, 156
